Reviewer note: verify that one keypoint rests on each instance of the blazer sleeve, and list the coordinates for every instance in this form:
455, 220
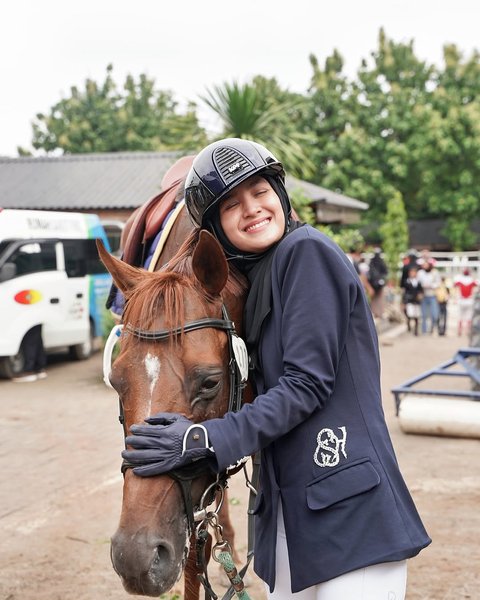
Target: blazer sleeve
317, 290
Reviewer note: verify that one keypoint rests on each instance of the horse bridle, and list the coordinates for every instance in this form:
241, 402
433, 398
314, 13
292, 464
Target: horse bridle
238, 375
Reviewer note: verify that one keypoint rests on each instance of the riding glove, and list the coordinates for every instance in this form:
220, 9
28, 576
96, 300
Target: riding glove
169, 441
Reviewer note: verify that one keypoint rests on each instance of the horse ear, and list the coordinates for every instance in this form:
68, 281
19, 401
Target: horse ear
125, 276
209, 263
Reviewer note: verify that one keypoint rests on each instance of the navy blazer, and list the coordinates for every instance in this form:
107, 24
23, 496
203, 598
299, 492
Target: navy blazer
318, 419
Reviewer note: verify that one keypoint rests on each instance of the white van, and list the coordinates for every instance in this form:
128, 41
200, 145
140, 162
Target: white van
50, 275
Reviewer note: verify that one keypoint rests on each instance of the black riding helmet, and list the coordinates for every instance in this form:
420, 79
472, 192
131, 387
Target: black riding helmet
223, 165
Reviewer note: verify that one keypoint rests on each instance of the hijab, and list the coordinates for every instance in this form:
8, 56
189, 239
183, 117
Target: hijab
258, 268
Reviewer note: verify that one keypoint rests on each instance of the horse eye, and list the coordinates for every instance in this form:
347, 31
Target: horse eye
210, 385
207, 388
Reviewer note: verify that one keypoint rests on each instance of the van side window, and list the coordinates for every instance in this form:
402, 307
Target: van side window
81, 258
34, 257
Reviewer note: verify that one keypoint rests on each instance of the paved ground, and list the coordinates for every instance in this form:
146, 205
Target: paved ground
60, 489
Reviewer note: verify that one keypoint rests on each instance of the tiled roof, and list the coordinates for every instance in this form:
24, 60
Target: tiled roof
83, 181
122, 180
320, 194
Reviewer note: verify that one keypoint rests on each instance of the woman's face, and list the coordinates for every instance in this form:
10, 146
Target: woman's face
252, 217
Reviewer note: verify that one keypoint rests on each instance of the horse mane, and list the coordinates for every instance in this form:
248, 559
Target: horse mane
165, 289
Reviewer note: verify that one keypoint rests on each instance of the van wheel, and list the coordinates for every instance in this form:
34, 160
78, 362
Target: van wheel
85, 350
11, 366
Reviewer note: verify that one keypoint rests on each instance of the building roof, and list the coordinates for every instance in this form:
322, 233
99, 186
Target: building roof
122, 180
113, 180
320, 194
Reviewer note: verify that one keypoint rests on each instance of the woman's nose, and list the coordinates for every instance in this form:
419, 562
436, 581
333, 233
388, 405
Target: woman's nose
251, 206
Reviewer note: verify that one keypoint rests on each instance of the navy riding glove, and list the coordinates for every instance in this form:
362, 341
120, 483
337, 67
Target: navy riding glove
169, 441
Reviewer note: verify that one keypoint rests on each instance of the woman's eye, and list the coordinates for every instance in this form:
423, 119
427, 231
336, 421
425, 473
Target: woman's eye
230, 204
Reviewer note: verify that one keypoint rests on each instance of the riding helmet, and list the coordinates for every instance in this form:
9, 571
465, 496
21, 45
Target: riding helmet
220, 167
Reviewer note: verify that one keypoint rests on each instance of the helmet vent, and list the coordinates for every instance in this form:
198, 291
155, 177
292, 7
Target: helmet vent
230, 163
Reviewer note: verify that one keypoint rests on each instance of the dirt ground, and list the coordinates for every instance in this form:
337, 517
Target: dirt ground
61, 488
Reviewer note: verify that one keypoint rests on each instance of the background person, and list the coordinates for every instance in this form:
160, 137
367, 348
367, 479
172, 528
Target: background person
35, 357
330, 483
465, 286
429, 278
410, 260
377, 277
412, 298
443, 294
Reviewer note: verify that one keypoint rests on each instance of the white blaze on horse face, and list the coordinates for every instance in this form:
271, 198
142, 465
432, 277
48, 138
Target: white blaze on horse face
152, 367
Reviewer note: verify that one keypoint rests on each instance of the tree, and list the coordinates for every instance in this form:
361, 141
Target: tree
447, 151
103, 118
261, 111
369, 153
328, 114
394, 232
402, 126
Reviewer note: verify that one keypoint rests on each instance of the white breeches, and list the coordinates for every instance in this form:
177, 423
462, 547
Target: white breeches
465, 309
385, 581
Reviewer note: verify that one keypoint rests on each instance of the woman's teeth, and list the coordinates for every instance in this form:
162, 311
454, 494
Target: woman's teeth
257, 225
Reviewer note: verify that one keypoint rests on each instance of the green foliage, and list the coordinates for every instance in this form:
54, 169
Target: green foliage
394, 231
347, 238
261, 111
103, 118
402, 126
302, 206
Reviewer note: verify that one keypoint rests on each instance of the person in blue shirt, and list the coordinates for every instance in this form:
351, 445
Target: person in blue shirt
334, 518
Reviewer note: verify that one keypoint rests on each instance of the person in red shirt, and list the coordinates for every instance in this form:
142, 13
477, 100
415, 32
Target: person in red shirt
465, 285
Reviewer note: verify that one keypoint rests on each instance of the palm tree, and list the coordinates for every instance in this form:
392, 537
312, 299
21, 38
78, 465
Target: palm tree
262, 112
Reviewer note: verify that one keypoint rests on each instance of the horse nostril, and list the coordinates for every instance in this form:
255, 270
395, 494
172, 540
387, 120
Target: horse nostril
162, 558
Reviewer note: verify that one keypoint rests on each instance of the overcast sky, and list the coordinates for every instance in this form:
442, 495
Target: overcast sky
47, 46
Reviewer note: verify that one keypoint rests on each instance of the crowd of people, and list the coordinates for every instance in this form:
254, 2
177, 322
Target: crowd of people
426, 293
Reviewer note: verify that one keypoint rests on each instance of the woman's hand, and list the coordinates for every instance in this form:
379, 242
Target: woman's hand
169, 441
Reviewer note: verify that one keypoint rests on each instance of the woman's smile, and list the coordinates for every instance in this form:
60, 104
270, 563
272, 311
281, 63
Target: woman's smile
256, 226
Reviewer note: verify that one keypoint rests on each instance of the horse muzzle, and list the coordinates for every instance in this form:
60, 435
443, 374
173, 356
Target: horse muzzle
146, 566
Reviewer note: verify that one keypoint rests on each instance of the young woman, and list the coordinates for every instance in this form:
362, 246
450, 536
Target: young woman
334, 518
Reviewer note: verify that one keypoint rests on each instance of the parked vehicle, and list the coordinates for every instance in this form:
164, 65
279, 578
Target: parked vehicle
50, 275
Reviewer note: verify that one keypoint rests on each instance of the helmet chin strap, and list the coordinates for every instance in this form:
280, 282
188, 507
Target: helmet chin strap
228, 254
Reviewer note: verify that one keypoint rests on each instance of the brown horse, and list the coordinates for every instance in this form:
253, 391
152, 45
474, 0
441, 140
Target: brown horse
188, 374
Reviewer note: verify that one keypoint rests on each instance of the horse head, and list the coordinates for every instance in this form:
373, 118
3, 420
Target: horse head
187, 373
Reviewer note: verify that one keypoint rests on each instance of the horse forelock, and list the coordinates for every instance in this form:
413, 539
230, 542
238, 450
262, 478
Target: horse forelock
162, 293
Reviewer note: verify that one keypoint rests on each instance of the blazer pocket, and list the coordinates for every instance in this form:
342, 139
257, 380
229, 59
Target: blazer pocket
350, 481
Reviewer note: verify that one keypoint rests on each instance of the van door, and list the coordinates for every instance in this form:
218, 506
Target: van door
75, 298
36, 294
